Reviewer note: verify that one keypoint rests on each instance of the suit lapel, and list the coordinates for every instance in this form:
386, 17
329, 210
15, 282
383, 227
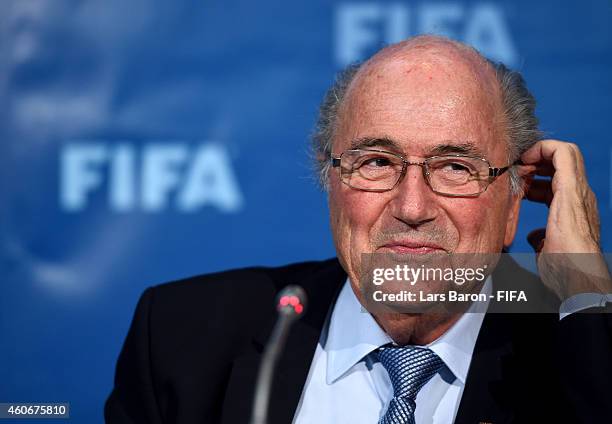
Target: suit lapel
489, 395
322, 288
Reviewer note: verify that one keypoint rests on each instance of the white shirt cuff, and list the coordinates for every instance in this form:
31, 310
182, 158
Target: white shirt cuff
583, 301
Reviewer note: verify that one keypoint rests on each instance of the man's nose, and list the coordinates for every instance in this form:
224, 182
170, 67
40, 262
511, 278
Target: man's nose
414, 202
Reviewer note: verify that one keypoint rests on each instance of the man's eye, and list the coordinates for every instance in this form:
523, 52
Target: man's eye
376, 162
456, 167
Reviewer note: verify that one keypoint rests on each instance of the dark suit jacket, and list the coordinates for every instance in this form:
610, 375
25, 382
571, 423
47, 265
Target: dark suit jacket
193, 350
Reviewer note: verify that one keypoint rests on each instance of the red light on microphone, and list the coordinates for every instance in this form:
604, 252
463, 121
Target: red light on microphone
290, 301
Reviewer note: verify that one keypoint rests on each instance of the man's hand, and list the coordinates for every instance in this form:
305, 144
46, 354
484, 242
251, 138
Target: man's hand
572, 226
573, 220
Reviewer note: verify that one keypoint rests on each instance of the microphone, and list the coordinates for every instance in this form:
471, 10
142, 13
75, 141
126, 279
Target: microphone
291, 305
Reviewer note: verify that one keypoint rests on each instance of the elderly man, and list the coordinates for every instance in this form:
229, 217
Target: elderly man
419, 148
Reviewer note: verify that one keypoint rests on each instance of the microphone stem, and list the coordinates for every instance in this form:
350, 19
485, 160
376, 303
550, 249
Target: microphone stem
265, 378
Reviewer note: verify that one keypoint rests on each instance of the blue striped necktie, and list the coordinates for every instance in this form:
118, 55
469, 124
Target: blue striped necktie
409, 368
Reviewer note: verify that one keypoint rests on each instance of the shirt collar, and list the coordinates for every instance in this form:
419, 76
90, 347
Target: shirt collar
353, 334
456, 346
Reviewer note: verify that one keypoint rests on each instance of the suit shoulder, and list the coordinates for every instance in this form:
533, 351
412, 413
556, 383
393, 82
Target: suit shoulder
248, 278
230, 305
244, 288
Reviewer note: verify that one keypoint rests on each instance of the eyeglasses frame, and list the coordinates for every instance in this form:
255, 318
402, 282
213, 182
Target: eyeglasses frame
493, 172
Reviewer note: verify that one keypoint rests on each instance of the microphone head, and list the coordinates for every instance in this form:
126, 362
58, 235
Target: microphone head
291, 301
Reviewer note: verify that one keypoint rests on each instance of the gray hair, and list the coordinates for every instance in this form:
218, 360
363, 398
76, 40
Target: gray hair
519, 110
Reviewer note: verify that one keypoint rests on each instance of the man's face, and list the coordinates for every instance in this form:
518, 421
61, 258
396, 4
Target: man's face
423, 104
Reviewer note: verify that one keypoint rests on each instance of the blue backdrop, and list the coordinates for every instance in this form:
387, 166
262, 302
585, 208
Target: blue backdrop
146, 141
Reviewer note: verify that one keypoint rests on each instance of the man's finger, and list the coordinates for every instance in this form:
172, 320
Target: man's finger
545, 150
544, 169
563, 157
526, 170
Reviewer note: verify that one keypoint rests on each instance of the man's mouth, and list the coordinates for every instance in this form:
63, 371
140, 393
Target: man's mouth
412, 247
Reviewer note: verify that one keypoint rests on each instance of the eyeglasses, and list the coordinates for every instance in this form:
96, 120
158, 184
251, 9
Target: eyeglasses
449, 175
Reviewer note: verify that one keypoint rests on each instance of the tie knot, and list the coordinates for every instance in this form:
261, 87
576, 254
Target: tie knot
409, 368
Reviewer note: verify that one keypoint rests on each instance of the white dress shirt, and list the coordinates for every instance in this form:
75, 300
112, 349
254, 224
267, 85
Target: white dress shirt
347, 385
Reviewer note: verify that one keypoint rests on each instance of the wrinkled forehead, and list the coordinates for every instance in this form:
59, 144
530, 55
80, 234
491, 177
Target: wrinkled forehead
430, 54
433, 84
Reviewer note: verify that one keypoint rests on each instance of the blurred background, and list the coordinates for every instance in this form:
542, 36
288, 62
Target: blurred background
144, 141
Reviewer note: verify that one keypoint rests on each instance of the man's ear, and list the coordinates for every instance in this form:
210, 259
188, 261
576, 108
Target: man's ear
513, 215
